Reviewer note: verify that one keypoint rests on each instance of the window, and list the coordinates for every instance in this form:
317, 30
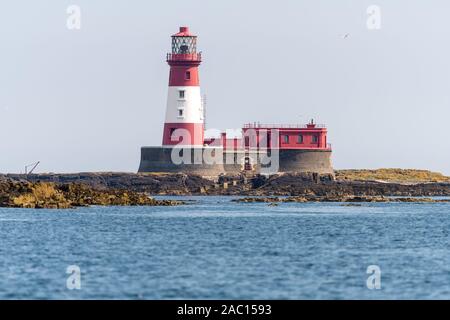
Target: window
188, 75
180, 112
184, 45
182, 94
300, 138
285, 139
315, 139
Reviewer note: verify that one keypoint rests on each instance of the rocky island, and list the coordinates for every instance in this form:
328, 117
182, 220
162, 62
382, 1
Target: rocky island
39, 195
346, 199
80, 189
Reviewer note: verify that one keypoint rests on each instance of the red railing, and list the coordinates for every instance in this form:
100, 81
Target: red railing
282, 147
195, 57
282, 126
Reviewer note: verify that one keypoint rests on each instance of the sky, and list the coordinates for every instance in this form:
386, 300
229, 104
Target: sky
88, 99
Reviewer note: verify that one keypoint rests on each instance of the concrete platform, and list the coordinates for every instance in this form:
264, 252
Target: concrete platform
208, 161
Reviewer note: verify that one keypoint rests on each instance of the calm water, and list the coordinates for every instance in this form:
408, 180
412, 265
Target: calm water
216, 249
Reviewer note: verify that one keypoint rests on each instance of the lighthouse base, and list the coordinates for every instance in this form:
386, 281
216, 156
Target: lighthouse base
318, 161
160, 159
198, 161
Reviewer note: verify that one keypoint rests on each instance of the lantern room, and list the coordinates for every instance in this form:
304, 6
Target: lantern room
184, 49
184, 42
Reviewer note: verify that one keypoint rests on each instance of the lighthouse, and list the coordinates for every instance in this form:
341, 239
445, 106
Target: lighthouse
261, 148
184, 121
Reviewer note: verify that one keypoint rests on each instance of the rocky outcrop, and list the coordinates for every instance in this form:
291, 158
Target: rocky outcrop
24, 194
292, 185
404, 176
351, 199
302, 184
157, 184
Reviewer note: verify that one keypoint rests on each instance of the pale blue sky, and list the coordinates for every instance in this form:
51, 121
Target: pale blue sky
88, 100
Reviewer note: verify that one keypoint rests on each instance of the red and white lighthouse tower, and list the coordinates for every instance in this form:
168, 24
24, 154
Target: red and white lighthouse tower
184, 103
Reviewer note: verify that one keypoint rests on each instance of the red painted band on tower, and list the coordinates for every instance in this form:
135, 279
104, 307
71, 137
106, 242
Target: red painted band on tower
183, 76
194, 134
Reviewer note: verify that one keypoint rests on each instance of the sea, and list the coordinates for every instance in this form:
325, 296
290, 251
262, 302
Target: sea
213, 248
